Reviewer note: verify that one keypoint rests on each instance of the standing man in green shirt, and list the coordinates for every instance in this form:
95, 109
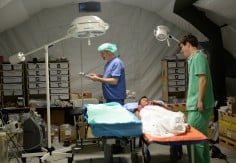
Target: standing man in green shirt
200, 98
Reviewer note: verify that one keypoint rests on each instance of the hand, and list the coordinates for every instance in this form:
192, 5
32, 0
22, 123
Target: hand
200, 106
93, 76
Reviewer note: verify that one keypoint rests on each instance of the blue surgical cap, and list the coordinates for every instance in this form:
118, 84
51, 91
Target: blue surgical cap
108, 47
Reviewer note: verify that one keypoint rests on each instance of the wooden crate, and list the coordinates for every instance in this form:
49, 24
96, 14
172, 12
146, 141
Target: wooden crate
228, 143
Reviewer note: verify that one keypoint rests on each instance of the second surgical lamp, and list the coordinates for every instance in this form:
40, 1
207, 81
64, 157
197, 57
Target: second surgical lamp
162, 34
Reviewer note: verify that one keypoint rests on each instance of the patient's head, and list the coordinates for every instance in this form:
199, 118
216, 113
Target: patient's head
143, 101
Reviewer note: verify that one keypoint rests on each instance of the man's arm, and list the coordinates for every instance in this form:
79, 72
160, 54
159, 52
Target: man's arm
107, 80
99, 78
201, 91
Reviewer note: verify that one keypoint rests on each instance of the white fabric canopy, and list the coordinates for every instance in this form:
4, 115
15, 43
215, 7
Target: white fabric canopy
131, 28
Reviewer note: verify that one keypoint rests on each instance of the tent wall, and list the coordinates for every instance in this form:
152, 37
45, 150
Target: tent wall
131, 28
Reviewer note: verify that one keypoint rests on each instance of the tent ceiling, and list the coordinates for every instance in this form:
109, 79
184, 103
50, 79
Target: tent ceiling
14, 12
221, 12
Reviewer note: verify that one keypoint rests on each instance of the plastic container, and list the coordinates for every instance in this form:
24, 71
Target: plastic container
67, 132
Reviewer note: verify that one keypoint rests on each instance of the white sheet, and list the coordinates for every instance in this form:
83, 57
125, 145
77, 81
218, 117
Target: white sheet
160, 122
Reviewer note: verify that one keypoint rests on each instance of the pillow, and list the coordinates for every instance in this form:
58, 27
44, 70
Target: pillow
131, 106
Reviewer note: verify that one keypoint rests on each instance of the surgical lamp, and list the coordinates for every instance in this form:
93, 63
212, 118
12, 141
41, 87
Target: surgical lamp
81, 27
162, 34
87, 27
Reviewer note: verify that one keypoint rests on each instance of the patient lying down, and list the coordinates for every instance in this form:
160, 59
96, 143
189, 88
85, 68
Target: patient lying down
144, 101
158, 121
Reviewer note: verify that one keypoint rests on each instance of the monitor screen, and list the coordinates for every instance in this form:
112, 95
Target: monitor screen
90, 7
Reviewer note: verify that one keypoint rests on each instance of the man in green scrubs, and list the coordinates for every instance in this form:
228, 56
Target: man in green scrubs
200, 98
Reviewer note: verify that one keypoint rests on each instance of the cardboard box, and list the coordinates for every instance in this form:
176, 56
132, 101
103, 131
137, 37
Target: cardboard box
225, 116
231, 102
74, 96
57, 117
179, 107
227, 129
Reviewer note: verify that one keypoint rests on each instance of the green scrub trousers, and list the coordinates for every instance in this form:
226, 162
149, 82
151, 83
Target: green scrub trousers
200, 121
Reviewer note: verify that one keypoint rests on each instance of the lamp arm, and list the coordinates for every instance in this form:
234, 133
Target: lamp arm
20, 57
172, 37
59, 40
49, 44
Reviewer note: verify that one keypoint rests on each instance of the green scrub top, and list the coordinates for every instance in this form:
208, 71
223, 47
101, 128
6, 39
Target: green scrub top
198, 64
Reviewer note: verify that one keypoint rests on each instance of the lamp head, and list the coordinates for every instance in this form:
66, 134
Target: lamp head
162, 33
17, 58
87, 26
